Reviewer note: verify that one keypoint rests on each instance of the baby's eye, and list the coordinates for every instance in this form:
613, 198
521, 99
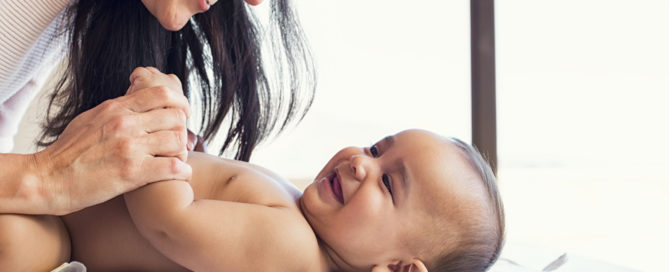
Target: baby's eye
386, 182
374, 151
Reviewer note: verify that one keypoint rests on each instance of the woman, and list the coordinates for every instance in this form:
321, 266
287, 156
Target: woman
133, 140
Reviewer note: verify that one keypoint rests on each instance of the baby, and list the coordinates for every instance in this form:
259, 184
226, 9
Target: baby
414, 201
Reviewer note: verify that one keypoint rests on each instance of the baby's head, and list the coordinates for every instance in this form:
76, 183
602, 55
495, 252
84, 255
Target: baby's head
414, 198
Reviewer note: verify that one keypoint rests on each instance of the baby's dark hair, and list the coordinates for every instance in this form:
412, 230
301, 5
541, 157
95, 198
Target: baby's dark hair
480, 245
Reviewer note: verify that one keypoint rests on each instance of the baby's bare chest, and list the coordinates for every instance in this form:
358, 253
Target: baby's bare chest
242, 182
105, 238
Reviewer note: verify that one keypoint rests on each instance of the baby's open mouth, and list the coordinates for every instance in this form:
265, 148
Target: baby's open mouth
335, 184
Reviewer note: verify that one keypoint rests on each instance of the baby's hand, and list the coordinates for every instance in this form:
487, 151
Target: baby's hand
147, 77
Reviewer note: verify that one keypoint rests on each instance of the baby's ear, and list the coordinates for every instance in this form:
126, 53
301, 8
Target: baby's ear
415, 266
383, 268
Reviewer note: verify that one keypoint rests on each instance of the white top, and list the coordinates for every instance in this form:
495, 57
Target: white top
28, 51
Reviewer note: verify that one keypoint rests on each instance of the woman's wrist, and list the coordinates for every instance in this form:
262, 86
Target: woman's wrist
23, 189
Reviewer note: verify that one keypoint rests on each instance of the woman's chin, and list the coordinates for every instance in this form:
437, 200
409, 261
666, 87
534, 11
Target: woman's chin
174, 19
174, 25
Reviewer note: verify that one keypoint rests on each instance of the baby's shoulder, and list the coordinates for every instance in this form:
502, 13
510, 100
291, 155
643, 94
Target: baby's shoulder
287, 241
237, 181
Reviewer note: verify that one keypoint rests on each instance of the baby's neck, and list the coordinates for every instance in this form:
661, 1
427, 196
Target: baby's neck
328, 259
331, 261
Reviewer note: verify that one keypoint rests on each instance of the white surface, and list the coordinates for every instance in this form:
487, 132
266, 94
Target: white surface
529, 258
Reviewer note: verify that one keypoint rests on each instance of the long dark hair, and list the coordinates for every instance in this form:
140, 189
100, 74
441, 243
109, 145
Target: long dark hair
217, 53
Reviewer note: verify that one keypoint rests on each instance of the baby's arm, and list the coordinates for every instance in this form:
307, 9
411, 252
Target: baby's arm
215, 235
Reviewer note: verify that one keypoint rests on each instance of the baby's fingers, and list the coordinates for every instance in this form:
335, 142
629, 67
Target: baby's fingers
155, 98
140, 72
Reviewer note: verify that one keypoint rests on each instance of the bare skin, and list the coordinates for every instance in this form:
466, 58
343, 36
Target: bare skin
116, 147
130, 141
26, 237
104, 237
368, 206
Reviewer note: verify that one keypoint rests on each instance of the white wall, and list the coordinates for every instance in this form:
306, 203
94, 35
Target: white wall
384, 66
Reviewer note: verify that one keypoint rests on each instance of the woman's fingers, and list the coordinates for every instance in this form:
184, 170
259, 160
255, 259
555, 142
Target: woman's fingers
164, 168
162, 119
165, 143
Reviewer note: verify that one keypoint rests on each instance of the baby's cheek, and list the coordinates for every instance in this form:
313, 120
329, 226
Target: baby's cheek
368, 206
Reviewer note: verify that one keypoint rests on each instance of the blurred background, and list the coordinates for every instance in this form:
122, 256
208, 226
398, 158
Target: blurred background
582, 94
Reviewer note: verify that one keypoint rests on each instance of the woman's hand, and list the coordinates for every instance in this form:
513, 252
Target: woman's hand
116, 147
147, 77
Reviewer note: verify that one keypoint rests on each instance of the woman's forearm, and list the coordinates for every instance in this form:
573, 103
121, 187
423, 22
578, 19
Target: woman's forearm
21, 189
116, 147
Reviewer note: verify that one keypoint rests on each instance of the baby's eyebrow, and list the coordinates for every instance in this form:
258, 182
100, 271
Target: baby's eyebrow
405, 177
387, 142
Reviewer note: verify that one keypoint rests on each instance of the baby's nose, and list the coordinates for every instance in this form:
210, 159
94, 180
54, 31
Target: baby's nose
358, 167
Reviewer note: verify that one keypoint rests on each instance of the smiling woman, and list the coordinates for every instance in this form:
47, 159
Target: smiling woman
174, 14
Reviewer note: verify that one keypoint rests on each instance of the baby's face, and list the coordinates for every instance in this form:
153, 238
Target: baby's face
374, 204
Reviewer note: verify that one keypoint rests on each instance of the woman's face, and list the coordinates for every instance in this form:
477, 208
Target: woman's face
174, 14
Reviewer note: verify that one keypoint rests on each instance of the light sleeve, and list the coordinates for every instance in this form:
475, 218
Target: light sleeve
29, 47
